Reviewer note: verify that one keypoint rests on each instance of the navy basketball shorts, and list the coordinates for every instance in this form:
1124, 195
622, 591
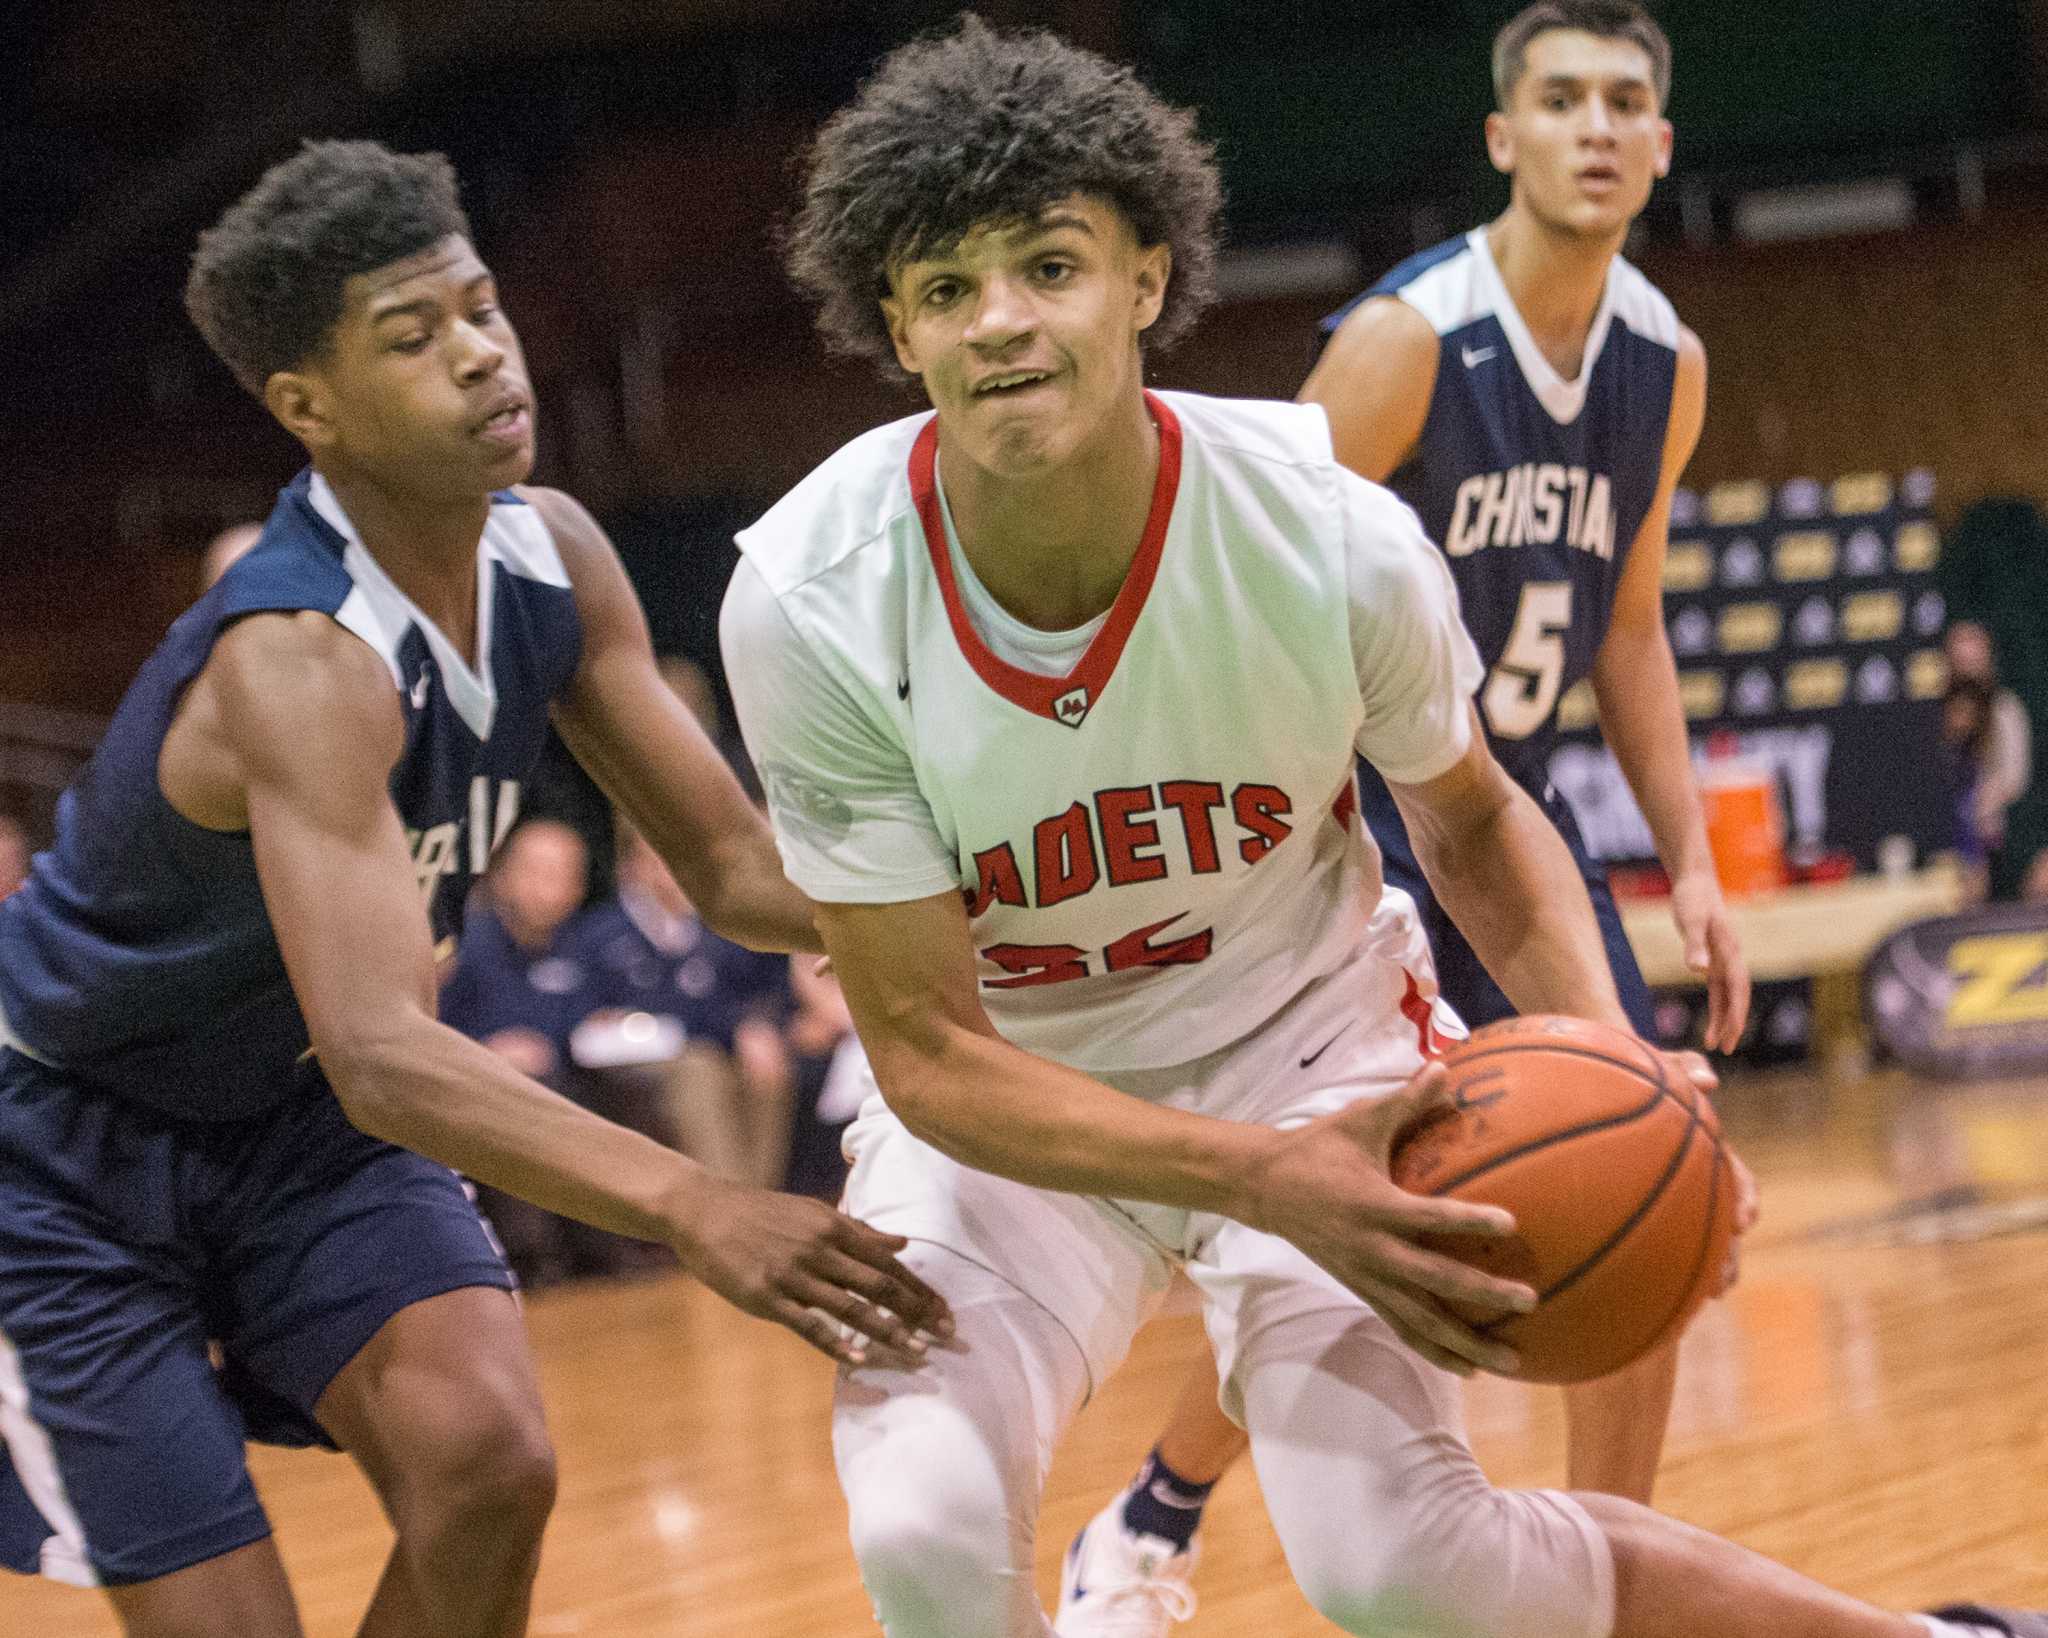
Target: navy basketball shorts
1465, 983
170, 1289
1462, 978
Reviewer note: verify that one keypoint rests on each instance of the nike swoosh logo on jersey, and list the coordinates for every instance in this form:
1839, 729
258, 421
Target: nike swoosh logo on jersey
903, 689
1475, 356
1325, 1047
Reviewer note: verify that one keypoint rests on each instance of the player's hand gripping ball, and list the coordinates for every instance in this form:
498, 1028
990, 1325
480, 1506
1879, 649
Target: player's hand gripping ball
1623, 1193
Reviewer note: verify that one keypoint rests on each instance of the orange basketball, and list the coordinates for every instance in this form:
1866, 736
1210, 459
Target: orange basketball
1623, 1195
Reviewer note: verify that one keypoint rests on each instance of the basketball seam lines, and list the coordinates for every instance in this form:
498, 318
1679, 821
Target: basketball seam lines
1657, 1080
1572, 1276
1535, 1145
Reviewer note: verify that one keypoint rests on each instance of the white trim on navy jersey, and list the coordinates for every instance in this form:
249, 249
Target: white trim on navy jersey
1448, 292
378, 610
1466, 288
10, 1042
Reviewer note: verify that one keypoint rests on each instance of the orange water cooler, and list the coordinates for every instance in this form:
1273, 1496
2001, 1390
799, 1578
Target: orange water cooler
1745, 827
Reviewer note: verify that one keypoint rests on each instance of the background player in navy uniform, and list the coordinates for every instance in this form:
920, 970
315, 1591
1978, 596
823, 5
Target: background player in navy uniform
1535, 399
283, 817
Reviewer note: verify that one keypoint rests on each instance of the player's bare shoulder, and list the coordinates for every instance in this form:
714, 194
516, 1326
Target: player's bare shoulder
277, 686
578, 537
1374, 381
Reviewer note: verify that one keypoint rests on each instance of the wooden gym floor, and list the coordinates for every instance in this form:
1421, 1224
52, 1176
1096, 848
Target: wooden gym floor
1870, 1406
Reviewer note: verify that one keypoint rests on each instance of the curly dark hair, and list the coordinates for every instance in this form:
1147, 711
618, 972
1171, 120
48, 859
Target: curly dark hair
985, 126
266, 283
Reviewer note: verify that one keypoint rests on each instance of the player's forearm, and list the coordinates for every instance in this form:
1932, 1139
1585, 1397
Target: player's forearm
751, 902
1509, 882
1635, 682
423, 1087
999, 1109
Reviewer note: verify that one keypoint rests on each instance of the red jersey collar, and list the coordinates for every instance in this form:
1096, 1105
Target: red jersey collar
1066, 699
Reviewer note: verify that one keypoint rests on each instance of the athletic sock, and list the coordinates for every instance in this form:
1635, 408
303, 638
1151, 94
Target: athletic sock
1956, 1629
1162, 1503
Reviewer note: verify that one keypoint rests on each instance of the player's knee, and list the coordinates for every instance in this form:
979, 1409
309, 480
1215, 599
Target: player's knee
1464, 1559
1396, 1581
937, 1562
485, 1462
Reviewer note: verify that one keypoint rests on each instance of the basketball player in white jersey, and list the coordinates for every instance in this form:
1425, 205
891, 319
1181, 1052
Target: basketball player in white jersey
1055, 694
1528, 347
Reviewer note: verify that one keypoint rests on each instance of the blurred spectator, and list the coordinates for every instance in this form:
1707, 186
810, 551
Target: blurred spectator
656, 958
517, 987
1986, 729
522, 984
15, 852
692, 685
826, 1077
221, 552
1994, 573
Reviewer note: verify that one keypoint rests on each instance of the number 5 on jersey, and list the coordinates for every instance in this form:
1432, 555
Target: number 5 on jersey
1522, 690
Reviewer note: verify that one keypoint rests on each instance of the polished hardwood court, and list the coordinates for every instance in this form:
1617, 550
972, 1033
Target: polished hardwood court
1870, 1405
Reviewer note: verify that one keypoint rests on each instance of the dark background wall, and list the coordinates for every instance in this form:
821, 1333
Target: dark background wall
627, 165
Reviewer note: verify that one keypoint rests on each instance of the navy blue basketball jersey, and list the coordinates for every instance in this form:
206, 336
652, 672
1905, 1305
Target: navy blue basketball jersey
139, 956
1533, 486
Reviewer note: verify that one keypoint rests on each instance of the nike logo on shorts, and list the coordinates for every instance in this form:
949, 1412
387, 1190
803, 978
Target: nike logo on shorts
1325, 1047
1476, 356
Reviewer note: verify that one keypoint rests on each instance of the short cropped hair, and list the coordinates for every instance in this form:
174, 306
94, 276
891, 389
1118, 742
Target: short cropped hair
265, 287
987, 126
1608, 19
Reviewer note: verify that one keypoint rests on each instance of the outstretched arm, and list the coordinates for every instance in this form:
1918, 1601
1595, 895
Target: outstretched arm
646, 750
310, 727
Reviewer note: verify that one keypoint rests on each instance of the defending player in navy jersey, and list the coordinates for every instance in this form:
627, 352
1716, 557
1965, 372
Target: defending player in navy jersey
1535, 399
227, 1111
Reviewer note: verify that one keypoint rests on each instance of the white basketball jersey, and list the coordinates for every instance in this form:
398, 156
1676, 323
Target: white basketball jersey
1158, 849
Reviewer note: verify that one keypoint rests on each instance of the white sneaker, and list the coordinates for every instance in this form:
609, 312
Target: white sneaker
1116, 1583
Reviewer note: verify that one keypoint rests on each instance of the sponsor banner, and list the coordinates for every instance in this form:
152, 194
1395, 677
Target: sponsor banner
1807, 630
1964, 996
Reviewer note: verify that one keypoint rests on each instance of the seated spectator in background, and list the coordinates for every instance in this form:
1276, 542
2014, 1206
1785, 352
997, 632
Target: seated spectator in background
653, 957
692, 685
15, 853
1986, 728
221, 552
827, 1080
1994, 574
517, 987
522, 984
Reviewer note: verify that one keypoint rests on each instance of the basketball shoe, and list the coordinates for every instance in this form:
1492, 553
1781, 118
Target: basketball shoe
2015, 1623
1117, 1583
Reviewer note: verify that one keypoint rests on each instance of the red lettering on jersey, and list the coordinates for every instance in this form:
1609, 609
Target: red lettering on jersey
1346, 804
1259, 809
1135, 948
999, 881
1195, 798
1035, 964
1065, 846
1416, 1008
1123, 833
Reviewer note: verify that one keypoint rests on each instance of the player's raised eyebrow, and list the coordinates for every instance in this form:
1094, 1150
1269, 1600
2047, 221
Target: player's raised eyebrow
1052, 221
